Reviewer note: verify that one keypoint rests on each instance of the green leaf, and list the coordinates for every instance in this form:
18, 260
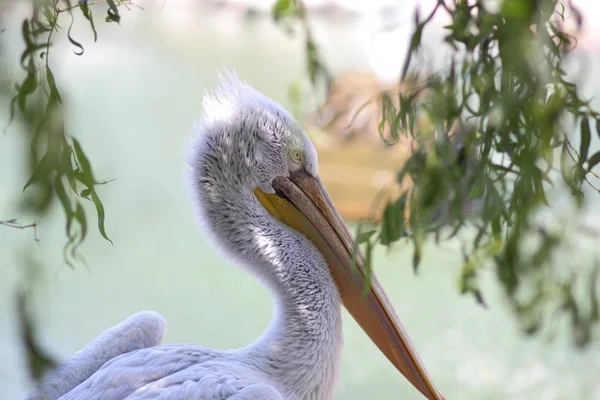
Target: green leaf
80, 217
86, 175
315, 66
567, 175
113, 12
61, 193
87, 13
69, 217
54, 94
363, 237
594, 303
30, 50
563, 161
593, 161
585, 140
73, 41
418, 243
392, 224
282, 9
415, 42
66, 165
28, 86
101, 216
42, 170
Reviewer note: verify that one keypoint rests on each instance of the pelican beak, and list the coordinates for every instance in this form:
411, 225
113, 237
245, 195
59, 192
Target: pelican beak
302, 202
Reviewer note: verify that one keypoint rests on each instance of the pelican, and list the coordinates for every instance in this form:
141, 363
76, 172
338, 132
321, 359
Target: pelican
253, 177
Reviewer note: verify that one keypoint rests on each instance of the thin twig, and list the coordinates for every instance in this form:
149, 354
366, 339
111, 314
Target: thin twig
89, 3
12, 223
585, 178
399, 88
52, 29
577, 154
105, 182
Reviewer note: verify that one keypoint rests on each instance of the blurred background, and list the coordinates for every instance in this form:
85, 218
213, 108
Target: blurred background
132, 99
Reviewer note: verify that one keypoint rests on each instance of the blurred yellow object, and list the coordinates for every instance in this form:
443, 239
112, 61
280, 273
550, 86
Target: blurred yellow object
359, 175
355, 164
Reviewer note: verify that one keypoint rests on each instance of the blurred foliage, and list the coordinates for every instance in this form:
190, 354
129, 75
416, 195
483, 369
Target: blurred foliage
285, 13
39, 362
59, 167
503, 118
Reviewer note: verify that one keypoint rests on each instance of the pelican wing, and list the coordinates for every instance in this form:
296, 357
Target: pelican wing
128, 362
139, 331
178, 371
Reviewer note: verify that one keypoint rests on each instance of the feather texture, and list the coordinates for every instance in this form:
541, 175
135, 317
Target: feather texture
241, 143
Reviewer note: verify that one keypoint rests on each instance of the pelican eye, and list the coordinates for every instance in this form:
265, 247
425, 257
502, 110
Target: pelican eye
296, 156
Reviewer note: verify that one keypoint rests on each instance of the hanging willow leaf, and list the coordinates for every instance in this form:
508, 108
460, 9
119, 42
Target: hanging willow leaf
87, 13
101, 216
38, 104
113, 12
66, 165
65, 202
79, 216
28, 86
54, 94
38, 360
61, 193
418, 250
368, 267
365, 236
392, 224
593, 161
492, 87
85, 175
586, 137
42, 170
74, 42
283, 9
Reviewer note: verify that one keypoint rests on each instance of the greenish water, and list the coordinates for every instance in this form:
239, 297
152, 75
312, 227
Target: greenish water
133, 98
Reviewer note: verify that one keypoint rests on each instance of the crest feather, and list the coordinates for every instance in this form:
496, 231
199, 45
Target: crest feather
231, 96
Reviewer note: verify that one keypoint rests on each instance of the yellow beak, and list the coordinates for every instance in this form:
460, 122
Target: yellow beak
307, 207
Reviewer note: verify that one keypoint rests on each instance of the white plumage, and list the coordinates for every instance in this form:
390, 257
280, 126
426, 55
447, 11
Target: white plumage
253, 177
298, 356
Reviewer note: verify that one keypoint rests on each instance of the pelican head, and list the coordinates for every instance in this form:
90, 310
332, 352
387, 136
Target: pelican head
250, 151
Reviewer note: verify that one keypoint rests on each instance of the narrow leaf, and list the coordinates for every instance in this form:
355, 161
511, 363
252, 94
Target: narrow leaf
80, 217
54, 94
418, 242
87, 13
73, 41
283, 8
86, 176
27, 87
41, 171
593, 161
101, 216
362, 237
392, 226
66, 165
61, 193
585, 140
113, 12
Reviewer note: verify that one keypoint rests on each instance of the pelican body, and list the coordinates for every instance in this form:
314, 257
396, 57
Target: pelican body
253, 177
